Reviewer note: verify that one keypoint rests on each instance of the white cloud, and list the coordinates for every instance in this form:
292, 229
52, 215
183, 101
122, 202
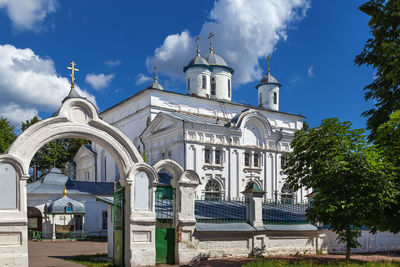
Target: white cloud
30, 84
142, 78
28, 14
245, 31
310, 71
112, 63
99, 81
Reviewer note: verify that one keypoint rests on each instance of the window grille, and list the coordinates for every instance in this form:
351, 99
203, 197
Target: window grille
212, 191
218, 157
204, 83
256, 160
275, 98
213, 86
78, 222
246, 159
207, 156
287, 194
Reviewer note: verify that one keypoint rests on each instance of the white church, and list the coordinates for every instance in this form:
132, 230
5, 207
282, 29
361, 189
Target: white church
227, 144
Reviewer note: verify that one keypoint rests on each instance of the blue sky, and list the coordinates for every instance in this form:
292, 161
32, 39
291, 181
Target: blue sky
312, 45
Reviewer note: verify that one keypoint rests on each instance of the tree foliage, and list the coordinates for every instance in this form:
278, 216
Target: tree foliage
388, 141
382, 52
353, 183
55, 153
7, 135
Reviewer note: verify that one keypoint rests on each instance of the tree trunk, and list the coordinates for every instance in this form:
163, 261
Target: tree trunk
347, 251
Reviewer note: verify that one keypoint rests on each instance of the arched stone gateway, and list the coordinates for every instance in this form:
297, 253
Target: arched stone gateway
77, 118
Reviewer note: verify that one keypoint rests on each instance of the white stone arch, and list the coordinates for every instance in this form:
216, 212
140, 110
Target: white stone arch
251, 114
77, 118
251, 180
172, 167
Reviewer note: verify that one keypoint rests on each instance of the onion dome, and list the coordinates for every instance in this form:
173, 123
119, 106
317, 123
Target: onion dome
197, 61
155, 84
268, 78
65, 205
215, 60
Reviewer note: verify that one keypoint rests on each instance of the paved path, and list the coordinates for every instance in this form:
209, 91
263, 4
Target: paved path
49, 253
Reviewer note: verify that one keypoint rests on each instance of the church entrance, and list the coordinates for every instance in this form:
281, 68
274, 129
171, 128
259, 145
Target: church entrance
165, 227
76, 118
34, 223
119, 203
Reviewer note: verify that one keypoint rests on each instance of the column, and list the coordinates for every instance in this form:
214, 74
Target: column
185, 217
254, 197
54, 228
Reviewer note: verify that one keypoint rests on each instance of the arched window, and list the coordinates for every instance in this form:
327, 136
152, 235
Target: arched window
287, 194
213, 86
69, 208
212, 191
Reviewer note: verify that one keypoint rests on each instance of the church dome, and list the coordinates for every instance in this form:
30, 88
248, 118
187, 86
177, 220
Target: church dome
198, 61
54, 177
216, 60
155, 85
268, 79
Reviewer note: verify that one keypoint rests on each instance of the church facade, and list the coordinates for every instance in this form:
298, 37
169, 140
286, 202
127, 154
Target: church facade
227, 144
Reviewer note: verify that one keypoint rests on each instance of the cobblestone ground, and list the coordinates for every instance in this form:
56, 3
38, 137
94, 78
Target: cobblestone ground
49, 253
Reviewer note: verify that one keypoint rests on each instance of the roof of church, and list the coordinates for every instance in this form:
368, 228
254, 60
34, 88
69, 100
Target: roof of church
268, 79
155, 85
196, 118
54, 183
60, 206
202, 98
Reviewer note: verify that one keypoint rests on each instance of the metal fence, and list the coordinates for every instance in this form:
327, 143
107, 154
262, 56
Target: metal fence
220, 211
277, 212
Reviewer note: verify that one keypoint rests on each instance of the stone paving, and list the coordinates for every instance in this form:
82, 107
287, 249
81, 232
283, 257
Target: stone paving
49, 253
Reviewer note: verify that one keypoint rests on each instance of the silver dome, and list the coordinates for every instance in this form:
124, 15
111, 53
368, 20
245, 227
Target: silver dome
155, 85
268, 79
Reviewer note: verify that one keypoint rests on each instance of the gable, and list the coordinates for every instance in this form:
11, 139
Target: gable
83, 152
162, 122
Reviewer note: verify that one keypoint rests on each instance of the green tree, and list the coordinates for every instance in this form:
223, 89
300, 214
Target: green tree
55, 153
352, 182
382, 52
7, 135
388, 141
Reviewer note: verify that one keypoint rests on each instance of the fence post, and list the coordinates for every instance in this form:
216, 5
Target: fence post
254, 197
185, 220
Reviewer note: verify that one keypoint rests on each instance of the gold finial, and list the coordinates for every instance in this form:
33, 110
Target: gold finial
268, 67
65, 191
210, 37
72, 73
155, 73
198, 47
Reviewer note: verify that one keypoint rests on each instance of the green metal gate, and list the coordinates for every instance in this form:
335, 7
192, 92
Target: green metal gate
119, 201
165, 230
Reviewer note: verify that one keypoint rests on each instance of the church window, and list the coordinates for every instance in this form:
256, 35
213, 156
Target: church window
256, 160
207, 156
275, 98
104, 219
283, 161
78, 222
213, 86
218, 157
162, 155
105, 168
260, 100
68, 208
212, 191
169, 154
229, 87
204, 82
246, 159
188, 84
287, 194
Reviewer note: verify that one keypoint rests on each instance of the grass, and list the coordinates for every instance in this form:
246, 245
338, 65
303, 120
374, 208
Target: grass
91, 260
317, 263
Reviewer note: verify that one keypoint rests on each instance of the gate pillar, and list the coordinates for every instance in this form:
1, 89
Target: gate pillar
185, 219
140, 219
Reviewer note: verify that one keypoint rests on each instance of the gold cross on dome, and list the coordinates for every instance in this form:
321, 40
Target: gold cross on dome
268, 67
198, 47
73, 69
155, 73
210, 37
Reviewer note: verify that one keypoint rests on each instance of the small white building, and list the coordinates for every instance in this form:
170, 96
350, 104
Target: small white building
51, 187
